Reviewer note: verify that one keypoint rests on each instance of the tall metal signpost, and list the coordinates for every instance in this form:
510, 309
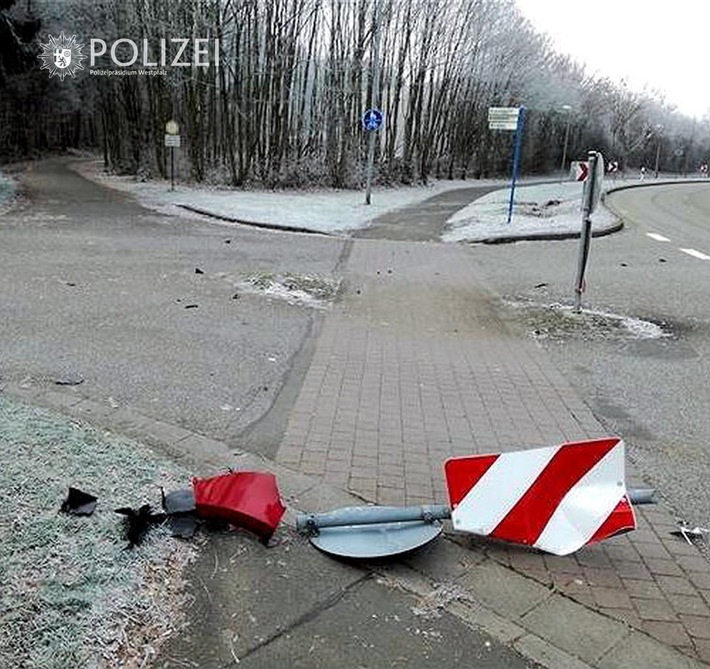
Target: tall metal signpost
372, 118
659, 133
510, 118
590, 199
172, 140
371, 122
566, 109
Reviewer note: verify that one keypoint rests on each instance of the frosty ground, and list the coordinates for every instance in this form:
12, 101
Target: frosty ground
72, 594
7, 188
550, 208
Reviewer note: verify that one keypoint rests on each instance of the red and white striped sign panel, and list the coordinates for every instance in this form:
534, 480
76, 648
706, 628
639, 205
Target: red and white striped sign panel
557, 498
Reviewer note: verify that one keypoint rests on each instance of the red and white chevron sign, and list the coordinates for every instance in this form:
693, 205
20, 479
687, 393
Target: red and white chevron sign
557, 498
582, 171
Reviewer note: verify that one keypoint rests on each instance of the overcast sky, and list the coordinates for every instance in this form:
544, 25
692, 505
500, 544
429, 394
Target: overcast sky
662, 45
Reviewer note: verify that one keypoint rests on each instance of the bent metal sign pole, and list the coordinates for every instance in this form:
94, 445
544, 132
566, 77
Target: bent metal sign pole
590, 199
556, 499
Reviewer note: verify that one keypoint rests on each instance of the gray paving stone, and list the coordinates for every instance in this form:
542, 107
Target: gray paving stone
60, 400
444, 560
161, 433
92, 411
639, 650
128, 421
24, 392
546, 654
482, 618
574, 628
503, 590
197, 447
654, 609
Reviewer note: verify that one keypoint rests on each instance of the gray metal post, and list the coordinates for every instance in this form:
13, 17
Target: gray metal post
375, 95
518, 145
309, 523
172, 168
567, 109
371, 515
586, 235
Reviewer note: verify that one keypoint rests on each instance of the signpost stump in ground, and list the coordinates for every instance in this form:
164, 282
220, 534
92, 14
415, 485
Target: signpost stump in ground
590, 199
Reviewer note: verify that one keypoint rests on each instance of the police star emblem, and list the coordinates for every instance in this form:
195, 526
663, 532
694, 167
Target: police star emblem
61, 56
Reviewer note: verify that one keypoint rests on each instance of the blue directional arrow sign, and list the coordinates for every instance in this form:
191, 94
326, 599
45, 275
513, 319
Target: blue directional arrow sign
372, 119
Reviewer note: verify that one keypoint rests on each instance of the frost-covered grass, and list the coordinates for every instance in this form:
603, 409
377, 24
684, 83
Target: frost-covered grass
7, 188
72, 595
321, 210
537, 209
308, 290
559, 321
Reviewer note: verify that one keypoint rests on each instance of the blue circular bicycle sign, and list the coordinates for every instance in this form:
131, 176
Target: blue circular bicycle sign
372, 119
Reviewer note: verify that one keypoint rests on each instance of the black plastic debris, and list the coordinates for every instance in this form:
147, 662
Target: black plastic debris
79, 503
69, 380
183, 527
138, 522
178, 501
179, 506
191, 306
198, 271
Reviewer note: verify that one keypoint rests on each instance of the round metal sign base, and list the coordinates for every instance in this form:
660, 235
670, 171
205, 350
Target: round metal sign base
375, 541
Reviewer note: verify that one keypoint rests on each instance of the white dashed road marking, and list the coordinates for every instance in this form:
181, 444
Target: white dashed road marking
690, 252
696, 254
657, 237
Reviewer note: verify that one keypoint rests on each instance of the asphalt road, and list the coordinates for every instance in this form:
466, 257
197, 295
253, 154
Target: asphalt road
425, 221
97, 290
653, 392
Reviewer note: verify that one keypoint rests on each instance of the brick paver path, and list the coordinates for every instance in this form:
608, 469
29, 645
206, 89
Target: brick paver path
413, 366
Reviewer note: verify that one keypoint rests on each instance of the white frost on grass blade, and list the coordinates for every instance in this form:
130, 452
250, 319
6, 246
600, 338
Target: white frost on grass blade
71, 595
538, 209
